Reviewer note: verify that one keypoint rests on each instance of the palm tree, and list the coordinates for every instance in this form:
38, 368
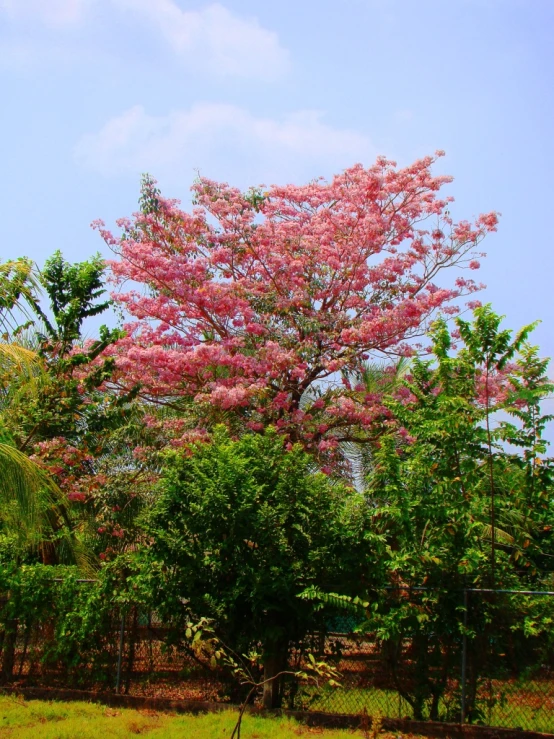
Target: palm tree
33, 509
380, 379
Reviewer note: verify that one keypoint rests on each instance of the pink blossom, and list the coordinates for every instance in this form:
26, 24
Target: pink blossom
251, 309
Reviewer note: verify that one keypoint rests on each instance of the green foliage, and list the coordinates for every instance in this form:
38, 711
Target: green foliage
18, 296
457, 507
31, 504
73, 290
33, 509
438, 468
77, 620
62, 401
240, 528
59, 409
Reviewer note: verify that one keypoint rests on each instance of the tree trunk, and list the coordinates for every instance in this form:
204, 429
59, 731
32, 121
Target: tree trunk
275, 661
48, 553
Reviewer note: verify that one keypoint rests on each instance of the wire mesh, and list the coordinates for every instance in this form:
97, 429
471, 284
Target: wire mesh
503, 670
506, 660
510, 659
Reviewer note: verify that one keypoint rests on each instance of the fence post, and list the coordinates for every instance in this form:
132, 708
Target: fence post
120, 654
464, 662
8, 649
132, 642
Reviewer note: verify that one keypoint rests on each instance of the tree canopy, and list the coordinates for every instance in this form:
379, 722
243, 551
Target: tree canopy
256, 302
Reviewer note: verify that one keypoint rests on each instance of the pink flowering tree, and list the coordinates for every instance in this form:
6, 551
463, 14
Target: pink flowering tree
264, 303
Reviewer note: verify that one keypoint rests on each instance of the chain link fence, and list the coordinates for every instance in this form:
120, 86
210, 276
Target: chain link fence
479, 657
132, 653
508, 659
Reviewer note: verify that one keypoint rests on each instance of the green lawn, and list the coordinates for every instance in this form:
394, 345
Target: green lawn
34, 719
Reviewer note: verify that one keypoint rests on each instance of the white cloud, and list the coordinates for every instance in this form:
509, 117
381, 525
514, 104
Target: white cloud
54, 13
212, 38
215, 37
223, 141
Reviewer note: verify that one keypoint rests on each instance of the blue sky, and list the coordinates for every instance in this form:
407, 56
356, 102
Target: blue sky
94, 92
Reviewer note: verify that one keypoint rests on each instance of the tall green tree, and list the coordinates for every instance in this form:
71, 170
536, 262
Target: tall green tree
459, 507
64, 415
240, 529
33, 509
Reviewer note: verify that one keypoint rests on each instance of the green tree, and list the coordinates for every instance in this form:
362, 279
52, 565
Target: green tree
61, 412
33, 509
240, 529
457, 506
70, 400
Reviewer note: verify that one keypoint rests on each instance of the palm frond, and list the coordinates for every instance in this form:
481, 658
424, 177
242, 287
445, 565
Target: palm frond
33, 506
21, 370
19, 288
500, 535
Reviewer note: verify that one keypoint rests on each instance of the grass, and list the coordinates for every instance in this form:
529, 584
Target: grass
523, 705
33, 719
355, 700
